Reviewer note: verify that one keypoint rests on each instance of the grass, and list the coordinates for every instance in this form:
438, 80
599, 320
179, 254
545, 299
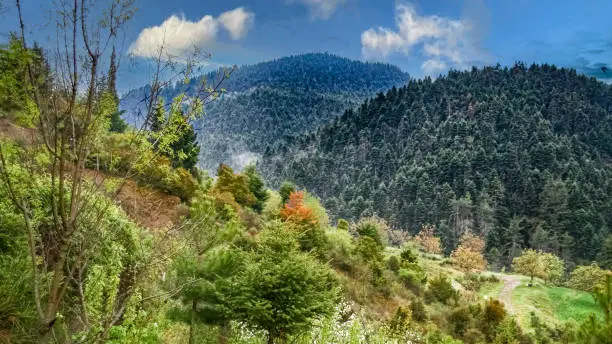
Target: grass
491, 289
552, 304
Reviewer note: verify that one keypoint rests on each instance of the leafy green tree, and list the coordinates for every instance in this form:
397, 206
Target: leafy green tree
529, 264
14, 60
554, 268
117, 124
508, 332
603, 295
493, 314
594, 330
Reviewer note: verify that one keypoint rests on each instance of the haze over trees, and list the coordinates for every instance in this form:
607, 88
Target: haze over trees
275, 100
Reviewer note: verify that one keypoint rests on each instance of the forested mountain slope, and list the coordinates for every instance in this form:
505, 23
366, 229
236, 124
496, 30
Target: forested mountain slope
521, 155
276, 99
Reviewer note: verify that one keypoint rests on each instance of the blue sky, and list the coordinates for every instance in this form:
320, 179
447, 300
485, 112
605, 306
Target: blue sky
422, 37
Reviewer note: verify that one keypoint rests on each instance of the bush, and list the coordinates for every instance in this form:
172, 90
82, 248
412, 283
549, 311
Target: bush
393, 264
459, 321
473, 281
440, 289
428, 241
492, 279
408, 255
399, 324
467, 259
585, 277
413, 280
398, 237
493, 314
340, 248
368, 249
342, 225
374, 228
417, 307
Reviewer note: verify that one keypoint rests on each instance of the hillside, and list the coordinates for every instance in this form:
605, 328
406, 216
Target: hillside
276, 99
520, 155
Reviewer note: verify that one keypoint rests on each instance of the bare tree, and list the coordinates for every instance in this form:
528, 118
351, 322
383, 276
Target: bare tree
70, 120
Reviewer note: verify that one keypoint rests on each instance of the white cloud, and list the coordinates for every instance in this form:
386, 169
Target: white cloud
179, 36
237, 22
321, 9
444, 42
433, 66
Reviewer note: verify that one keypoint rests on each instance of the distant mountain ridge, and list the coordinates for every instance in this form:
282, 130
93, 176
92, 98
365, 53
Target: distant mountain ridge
275, 99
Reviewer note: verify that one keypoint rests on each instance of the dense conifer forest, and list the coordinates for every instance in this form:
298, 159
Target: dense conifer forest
521, 155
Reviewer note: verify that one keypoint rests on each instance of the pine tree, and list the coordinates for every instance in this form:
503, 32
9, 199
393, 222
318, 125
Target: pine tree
605, 254
117, 124
257, 187
186, 149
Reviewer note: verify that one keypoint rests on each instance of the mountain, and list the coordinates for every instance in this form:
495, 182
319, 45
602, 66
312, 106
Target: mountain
278, 99
521, 155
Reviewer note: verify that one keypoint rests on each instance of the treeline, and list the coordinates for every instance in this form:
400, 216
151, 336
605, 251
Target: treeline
274, 100
520, 155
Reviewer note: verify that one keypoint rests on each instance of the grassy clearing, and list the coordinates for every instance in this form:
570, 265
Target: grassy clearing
552, 304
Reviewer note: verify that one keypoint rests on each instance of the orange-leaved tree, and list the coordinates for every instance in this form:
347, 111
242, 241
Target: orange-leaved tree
428, 241
468, 255
303, 219
296, 211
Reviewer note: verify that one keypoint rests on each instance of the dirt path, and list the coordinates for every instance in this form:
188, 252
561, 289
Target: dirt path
505, 296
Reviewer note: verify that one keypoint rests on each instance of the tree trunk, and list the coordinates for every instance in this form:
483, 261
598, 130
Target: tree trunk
224, 332
194, 307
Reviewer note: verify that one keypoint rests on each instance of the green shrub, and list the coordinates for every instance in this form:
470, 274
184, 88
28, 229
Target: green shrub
368, 249
585, 277
393, 264
493, 314
374, 228
460, 320
473, 281
440, 289
413, 280
417, 307
340, 248
342, 225
399, 324
409, 255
